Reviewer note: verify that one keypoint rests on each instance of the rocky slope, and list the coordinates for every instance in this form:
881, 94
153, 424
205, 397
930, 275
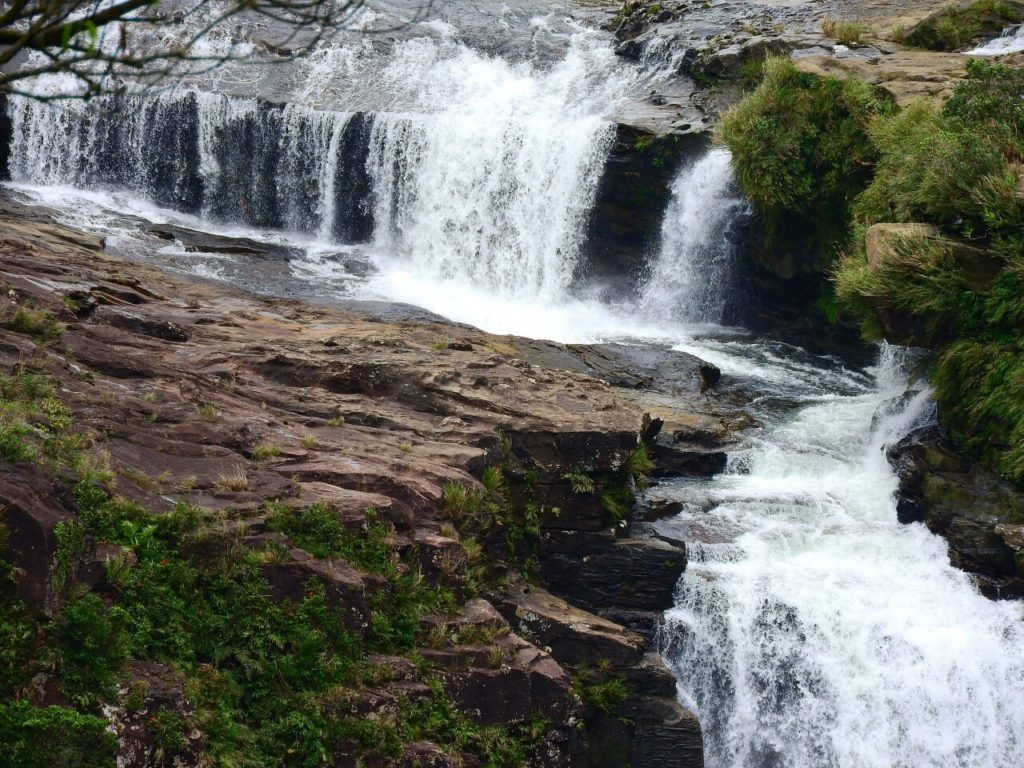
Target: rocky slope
255, 411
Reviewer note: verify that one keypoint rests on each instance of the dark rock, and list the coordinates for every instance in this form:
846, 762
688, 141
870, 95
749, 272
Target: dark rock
5, 139
344, 586
193, 240
963, 502
573, 635
158, 329
634, 190
599, 571
30, 510
650, 367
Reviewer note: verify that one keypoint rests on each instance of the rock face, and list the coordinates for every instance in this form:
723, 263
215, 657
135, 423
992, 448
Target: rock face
979, 514
647, 727
634, 191
227, 401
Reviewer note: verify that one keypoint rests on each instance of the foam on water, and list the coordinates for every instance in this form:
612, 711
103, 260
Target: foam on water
1011, 41
827, 634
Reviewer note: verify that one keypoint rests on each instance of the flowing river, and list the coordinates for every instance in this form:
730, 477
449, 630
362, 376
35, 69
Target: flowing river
457, 173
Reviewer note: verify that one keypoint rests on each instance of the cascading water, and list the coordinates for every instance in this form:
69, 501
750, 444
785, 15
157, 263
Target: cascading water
693, 271
472, 168
494, 188
812, 630
1011, 41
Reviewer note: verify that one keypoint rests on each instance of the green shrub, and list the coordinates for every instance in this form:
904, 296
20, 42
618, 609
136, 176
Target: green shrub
960, 23
93, 647
959, 168
802, 151
53, 737
981, 388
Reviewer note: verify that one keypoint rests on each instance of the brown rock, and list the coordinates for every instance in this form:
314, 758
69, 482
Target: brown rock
573, 635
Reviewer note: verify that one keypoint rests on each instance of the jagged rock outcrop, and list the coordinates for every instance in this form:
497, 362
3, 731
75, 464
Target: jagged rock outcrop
978, 513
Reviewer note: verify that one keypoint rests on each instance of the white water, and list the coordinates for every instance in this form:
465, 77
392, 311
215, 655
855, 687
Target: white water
1011, 41
816, 631
494, 188
693, 271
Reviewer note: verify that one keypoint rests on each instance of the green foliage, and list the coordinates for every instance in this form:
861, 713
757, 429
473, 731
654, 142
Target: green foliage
638, 463
490, 515
959, 168
53, 737
35, 322
960, 23
580, 482
497, 747
71, 547
981, 388
605, 695
318, 530
264, 675
802, 151
93, 645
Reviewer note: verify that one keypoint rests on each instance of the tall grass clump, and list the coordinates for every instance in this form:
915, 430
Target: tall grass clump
960, 168
802, 151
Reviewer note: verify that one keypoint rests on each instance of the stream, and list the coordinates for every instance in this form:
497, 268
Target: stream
454, 169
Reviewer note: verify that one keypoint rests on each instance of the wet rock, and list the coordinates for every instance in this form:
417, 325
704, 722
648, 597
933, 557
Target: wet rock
600, 572
632, 195
193, 240
971, 507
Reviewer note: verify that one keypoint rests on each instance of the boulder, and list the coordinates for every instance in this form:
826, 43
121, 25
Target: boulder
31, 507
978, 513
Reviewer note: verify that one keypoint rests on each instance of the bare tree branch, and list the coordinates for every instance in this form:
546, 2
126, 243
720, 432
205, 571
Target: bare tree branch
103, 43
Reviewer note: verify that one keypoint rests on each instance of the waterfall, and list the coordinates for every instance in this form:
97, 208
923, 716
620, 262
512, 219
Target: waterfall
692, 273
234, 160
472, 168
1011, 41
822, 632
490, 182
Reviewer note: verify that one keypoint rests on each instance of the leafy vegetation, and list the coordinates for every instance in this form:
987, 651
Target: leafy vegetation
823, 160
802, 152
265, 676
958, 168
960, 23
